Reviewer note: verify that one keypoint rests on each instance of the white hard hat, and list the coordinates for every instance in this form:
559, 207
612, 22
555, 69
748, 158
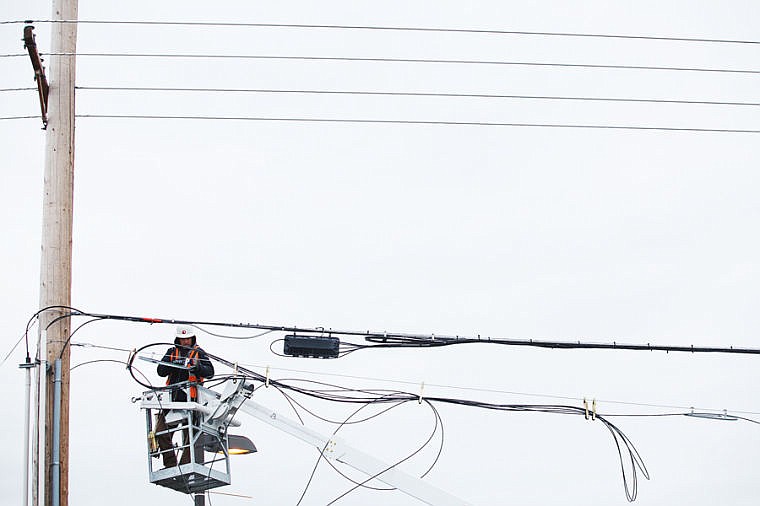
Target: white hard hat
184, 331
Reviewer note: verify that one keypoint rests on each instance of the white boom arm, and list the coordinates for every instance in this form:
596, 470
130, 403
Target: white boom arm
337, 449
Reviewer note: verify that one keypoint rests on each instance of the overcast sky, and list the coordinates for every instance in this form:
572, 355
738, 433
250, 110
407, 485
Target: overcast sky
639, 236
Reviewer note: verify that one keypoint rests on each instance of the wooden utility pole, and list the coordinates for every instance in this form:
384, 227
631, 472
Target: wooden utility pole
57, 219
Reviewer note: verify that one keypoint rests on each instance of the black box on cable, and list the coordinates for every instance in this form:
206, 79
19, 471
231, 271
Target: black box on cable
311, 346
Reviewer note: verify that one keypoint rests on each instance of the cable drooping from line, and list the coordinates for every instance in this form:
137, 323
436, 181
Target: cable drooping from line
206, 331
322, 451
438, 421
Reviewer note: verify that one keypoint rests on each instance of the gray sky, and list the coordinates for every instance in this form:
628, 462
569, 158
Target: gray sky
545, 233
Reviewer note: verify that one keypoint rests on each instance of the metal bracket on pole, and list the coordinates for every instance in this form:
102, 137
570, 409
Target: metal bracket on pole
39, 72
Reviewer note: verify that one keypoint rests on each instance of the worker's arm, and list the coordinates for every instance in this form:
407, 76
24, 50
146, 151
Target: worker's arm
203, 368
163, 369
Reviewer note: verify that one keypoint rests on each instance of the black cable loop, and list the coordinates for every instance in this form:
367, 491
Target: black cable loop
395, 464
291, 401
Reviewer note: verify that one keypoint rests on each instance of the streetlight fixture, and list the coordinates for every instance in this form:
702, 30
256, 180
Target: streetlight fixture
240, 445
236, 445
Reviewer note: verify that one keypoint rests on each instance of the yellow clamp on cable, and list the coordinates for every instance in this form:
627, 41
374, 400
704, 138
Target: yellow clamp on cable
422, 388
266, 384
589, 414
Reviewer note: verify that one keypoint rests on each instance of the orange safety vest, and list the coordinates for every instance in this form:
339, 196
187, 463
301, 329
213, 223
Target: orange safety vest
192, 378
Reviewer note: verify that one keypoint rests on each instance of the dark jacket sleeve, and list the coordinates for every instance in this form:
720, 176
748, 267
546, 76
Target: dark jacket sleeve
165, 370
204, 368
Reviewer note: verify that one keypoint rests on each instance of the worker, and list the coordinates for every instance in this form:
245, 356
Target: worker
187, 353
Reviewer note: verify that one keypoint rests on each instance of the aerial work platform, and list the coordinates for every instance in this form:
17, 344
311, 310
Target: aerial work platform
203, 453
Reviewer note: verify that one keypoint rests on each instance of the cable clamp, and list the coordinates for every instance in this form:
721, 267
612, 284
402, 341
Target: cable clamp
235, 368
422, 388
130, 357
266, 384
590, 414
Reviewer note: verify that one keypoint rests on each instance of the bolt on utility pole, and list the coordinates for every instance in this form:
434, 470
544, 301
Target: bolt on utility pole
57, 220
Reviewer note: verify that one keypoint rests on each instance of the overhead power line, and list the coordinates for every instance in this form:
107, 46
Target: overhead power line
399, 339
399, 60
402, 122
409, 94
393, 28
386, 380
417, 122
492, 390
